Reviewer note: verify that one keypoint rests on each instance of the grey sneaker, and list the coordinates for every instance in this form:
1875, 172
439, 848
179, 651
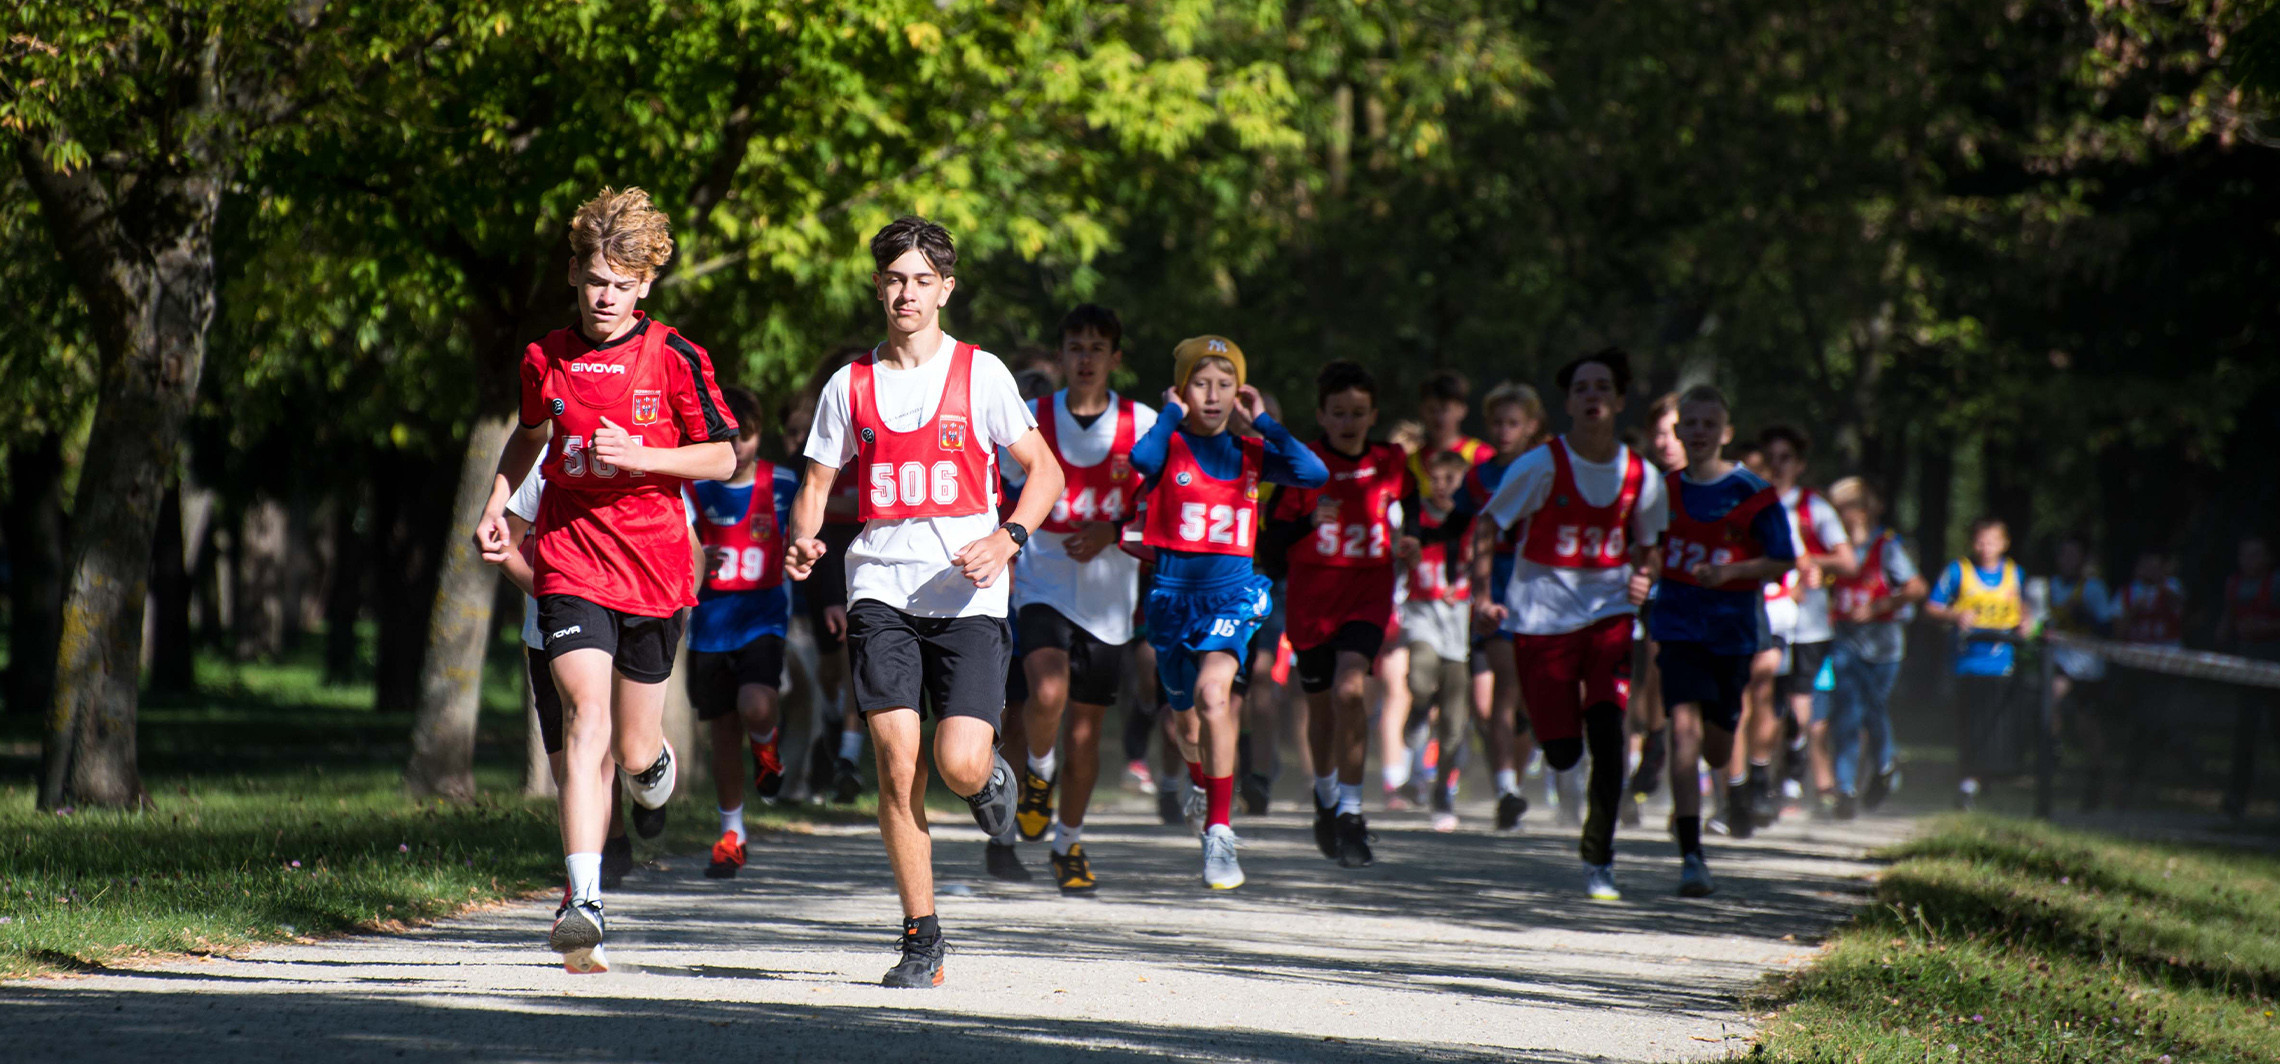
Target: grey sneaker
1599, 882
1194, 806
1220, 869
1694, 878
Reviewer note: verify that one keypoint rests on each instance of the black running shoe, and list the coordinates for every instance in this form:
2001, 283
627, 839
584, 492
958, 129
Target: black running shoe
1765, 798
993, 805
727, 857
1880, 787
1654, 757
1354, 841
1326, 828
577, 936
1004, 862
1846, 808
647, 823
846, 783
767, 770
921, 962
1740, 799
1509, 809
1035, 813
617, 860
1257, 789
1073, 872
1168, 808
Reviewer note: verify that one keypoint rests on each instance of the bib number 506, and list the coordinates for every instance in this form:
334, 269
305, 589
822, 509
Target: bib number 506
912, 484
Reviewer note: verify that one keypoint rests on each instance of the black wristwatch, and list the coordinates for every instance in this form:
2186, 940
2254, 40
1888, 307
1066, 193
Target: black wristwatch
1017, 533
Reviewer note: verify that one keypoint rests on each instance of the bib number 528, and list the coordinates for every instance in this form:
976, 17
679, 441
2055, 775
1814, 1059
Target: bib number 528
913, 484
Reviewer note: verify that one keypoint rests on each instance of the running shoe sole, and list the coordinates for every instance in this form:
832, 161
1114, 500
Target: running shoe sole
579, 940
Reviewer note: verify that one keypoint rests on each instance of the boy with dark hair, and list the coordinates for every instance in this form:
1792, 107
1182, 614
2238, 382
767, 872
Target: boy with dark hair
1649, 719
1823, 552
1074, 593
736, 633
1515, 416
1436, 623
1342, 550
1590, 513
1984, 593
1726, 538
613, 569
1201, 525
922, 418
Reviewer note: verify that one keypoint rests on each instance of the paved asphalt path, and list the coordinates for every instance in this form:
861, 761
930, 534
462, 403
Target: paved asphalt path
1454, 947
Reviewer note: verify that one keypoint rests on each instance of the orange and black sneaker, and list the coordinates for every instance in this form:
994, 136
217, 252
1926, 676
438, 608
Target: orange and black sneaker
1035, 813
921, 964
767, 770
727, 857
1073, 872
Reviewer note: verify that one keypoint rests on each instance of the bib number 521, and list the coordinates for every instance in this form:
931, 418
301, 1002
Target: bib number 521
913, 484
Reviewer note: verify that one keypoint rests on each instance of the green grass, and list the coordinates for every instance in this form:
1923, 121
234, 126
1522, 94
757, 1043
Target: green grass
2005, 940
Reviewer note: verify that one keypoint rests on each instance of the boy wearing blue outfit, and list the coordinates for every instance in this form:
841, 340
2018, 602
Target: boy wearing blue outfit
1203, 500
1727, 537
736, 633
1981, 595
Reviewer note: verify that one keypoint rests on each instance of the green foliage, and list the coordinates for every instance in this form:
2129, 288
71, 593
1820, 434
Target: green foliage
2012, 941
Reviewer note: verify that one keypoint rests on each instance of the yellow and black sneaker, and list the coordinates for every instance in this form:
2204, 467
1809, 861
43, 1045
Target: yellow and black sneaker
1073, 872
1035, 813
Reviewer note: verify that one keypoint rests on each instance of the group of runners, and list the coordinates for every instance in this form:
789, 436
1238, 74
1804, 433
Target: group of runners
955, 532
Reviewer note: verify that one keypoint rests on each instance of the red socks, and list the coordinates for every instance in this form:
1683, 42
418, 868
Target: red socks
1195, 773
1219, 793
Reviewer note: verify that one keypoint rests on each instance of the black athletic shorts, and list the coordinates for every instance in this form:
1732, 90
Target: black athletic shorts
1096, 669
641, 648
548, 699
1691, 673
1804, 669
953, 666
826, 585
714, 676
1318, 665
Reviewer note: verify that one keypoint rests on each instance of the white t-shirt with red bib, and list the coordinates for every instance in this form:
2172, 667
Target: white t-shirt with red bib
1805, 619
905, 563
1552, 599
1100, 595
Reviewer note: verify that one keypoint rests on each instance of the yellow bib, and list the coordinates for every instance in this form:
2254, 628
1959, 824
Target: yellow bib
1996, 606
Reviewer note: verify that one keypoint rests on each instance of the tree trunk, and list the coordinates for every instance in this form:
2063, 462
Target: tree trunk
173, 654
459, 629
344, 594
258, 562
411, 513
32, 519
1933, 501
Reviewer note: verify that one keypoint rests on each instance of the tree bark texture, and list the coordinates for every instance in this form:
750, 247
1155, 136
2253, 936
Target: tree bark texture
344, 589
459, 629
32, 519
411, 515
173, 659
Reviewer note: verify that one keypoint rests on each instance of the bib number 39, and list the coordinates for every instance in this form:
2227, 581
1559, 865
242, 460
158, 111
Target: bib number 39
913, 484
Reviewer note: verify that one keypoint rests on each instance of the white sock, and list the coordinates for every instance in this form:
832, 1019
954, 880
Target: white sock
585, 876
761, 738
1326, 789
1044, 767
1065, 836
850, 745
1507, 781
1349, 798
733, 820
1396, 772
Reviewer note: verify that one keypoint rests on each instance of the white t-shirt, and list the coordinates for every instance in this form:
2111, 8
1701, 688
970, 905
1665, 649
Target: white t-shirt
1810, 611
905, 563
1099, 595
1550, 599
524, 504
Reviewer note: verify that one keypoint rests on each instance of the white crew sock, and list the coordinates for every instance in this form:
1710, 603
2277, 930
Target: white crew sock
1507, 781
585, 876
733, 820
1396, 771
1349, 798
1044, 767
763, 738
1065, 836
850, 745
1326, 789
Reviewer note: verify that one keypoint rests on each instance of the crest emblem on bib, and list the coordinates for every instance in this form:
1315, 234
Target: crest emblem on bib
645, 406
1119, 467
555, 405
764, 522
1251, 486
953, 432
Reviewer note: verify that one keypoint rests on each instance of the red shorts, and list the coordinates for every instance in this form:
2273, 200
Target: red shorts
1562, 674
1320, 599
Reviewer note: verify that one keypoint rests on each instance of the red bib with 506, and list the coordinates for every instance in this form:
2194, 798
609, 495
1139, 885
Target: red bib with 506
941, 469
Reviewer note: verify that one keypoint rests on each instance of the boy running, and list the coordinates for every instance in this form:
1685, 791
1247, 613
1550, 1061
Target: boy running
1201, 524
1871, 610
736, 633
1436, 621
1074, 593
1984, 593
1649, 720
1515, 426
1823, 552
1342, 555
922, 417
613, 569
1726, 538
1593, 512
2080, 604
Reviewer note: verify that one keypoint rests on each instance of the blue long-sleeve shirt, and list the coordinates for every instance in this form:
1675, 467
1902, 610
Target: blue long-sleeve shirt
1285, 461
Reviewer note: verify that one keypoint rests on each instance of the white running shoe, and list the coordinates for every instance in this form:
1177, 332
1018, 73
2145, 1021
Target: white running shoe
1194, 805
577, 936
1599, 882
652, 787
1220, 869
1444, 822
